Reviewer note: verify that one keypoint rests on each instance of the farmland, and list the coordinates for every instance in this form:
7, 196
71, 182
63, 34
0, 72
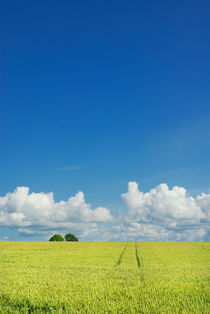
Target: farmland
55, 277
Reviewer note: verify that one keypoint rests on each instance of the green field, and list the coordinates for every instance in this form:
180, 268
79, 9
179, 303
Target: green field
53, 277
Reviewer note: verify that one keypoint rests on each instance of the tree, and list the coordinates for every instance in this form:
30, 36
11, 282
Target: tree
56, 237
70, 237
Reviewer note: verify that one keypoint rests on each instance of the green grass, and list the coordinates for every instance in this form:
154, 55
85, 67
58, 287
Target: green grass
50, 277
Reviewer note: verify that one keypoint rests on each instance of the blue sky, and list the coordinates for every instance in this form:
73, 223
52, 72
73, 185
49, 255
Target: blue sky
96, 94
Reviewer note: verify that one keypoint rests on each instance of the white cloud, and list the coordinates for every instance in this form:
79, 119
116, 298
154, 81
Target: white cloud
32, 232
191, 235
76, 209
203, 201
135, 231
161, 203
4, 238
24, 209
164, 213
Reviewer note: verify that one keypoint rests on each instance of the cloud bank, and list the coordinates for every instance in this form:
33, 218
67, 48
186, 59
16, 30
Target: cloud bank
40, 212
164, 214
158, 215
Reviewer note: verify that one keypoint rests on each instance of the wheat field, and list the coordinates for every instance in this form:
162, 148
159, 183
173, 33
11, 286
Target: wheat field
55, 277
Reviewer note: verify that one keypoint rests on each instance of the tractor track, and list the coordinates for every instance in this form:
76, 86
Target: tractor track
121, 255
139, 263
137, 257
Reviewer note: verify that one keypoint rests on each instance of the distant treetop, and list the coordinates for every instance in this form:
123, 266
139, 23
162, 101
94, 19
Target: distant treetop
70, 237
56, 237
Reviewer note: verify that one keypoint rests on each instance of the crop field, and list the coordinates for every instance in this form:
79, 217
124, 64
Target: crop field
56, 277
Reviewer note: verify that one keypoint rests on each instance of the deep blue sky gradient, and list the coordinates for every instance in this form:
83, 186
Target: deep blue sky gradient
98, 93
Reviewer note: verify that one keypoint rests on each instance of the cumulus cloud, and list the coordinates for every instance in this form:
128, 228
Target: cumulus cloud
203, 201
162, 214
168, 214
23, 209
161, 203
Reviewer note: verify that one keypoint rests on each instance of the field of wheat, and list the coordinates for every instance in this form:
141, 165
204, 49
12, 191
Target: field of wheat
55, 277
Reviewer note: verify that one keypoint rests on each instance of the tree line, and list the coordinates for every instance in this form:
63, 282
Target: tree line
67, 237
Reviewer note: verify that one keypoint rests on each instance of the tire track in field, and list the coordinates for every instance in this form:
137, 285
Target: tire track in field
121, 255
137, 257
112, 270
139, 261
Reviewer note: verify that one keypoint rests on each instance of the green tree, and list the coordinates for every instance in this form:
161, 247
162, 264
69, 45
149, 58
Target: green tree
56, 237
70, 237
